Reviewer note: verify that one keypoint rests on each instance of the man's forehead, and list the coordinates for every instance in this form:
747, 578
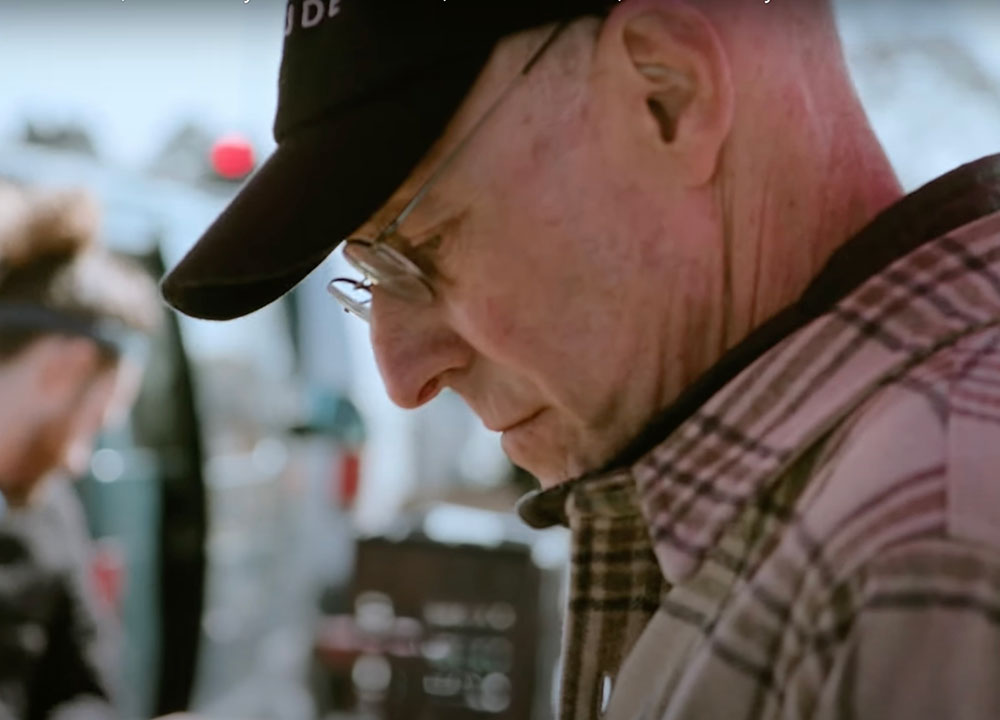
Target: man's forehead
417, 178
501, 69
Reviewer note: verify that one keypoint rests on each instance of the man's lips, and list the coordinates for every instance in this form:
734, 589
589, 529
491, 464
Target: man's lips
507, 427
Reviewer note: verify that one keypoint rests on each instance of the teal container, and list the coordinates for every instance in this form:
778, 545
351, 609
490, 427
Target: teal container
121, 499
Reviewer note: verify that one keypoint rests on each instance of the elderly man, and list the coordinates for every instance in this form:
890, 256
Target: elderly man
656, 244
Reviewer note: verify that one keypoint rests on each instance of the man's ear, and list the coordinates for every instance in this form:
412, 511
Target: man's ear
671, 72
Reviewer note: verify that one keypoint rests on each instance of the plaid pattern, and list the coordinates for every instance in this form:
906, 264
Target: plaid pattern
615, 587
825, 530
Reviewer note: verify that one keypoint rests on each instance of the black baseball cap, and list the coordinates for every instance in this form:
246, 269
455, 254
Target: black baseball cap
365, 88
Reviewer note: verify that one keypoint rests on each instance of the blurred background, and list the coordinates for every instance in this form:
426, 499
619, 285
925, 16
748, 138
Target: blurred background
280, 541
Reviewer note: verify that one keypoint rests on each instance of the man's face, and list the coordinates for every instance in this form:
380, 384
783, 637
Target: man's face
63, 425
539, 235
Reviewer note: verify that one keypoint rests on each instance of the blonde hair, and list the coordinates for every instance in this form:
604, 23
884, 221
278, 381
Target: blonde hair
51, 262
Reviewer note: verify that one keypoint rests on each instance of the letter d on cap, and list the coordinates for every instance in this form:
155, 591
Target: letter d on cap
312, 13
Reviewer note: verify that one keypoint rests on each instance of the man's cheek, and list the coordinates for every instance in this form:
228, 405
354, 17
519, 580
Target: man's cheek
497, 320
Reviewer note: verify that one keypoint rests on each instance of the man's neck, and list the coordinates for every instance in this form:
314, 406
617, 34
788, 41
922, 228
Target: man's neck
795, 218
797, 203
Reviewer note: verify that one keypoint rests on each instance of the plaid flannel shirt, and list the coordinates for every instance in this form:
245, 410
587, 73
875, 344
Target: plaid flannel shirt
816, 534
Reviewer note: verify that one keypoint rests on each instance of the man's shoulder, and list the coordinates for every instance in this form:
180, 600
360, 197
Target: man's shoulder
919, 459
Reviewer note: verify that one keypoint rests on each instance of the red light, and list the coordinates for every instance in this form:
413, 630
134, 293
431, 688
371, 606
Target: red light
232, 157
108, 572
347, 479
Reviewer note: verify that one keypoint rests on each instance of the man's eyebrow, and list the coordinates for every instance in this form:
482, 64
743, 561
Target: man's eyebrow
389, 212
428, 239
379, 221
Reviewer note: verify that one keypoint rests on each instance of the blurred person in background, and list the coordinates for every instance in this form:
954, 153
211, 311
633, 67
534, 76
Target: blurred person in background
658, 246
73, 324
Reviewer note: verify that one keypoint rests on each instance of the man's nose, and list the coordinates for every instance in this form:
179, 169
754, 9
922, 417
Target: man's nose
415, 350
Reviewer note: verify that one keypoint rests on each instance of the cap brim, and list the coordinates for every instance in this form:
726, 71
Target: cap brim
320, 184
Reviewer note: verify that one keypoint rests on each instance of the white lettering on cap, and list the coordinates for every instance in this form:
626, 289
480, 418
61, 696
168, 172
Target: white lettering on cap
313, 13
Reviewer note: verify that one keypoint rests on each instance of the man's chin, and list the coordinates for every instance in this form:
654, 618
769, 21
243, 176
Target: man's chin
549, 469
553, 453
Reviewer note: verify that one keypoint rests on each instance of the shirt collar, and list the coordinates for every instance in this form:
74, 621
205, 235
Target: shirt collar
699, 463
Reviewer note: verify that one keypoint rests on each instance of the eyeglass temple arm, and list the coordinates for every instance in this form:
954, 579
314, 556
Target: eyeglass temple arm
456, 151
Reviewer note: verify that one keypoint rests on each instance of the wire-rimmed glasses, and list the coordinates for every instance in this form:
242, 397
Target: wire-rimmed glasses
382, 264
379, 264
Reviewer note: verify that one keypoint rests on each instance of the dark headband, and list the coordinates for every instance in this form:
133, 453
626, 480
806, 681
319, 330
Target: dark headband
109, 334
